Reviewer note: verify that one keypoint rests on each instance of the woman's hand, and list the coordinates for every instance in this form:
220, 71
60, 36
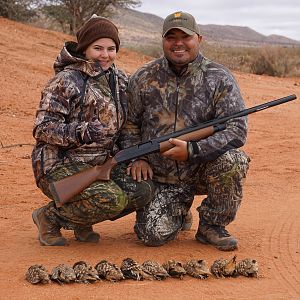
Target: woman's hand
140, 170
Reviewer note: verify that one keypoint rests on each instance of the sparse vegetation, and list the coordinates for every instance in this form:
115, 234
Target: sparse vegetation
18, 10
145, 37
69, 14
149, 50
269, 60
72, 14
276, 61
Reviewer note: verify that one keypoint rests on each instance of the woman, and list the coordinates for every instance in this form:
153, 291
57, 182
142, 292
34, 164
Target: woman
82, 110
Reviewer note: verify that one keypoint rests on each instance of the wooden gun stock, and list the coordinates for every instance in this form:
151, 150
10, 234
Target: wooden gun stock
65, 189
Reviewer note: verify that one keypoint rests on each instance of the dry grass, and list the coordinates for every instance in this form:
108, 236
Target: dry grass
270, 60
143, 37
276, 61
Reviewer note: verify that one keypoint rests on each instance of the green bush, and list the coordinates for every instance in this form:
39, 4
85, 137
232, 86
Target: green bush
18, 10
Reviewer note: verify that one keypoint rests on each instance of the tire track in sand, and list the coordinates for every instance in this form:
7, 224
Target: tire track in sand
283, 248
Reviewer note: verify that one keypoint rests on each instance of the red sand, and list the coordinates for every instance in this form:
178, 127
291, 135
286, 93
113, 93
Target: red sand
267, 224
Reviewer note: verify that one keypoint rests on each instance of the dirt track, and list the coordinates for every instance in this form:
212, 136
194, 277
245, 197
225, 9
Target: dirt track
267, 224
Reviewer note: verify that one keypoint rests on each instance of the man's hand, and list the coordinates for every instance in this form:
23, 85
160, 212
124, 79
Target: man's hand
140, 170
179, 151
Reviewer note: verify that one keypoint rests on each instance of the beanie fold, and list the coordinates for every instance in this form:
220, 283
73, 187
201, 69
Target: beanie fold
96, 28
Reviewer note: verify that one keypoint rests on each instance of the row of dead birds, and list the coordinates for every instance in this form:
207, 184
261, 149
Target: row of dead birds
83, 272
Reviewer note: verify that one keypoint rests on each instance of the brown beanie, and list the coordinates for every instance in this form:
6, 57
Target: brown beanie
96, 28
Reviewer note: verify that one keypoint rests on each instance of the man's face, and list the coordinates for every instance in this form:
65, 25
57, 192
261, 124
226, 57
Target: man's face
181, 48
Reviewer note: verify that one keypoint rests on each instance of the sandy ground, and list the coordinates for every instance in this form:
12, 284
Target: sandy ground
267, 224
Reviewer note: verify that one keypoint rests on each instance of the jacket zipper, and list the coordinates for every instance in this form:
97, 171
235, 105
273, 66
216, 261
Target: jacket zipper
175, 121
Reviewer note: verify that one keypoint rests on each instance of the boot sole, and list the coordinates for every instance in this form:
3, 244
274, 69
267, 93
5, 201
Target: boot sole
42, 242
202, 239
92, 238
186, 226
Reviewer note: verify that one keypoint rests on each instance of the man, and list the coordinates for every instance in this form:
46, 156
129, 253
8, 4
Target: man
183, 89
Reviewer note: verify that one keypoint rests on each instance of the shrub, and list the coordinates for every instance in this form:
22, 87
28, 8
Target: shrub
270, 60
273, 61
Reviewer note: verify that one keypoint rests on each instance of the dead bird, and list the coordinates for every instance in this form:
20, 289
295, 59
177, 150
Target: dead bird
85, 273
37, 274
155, 269
63, 274
175, 268
197, 268
224, 267
247, 267
133, 270
109, 271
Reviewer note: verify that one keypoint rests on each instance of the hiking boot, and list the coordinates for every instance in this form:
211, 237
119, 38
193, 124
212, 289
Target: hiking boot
217, 236
86, 234
49, 233
187, 221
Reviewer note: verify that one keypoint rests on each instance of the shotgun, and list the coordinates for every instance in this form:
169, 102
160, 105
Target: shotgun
65, 189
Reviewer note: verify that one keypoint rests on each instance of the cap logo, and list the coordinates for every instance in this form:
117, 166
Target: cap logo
177, 15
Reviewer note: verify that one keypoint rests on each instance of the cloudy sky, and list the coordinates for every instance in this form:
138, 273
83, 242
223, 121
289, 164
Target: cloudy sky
264, 16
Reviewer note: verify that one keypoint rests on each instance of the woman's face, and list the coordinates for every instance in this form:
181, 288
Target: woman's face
102, 50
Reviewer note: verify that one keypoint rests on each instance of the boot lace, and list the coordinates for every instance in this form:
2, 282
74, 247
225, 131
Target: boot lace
222, 232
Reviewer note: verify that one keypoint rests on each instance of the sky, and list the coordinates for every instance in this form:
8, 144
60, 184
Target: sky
267, 17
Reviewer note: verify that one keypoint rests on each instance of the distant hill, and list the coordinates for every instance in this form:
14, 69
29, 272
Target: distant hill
138, 28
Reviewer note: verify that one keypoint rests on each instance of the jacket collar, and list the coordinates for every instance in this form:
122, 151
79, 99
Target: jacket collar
190, 69
71, 60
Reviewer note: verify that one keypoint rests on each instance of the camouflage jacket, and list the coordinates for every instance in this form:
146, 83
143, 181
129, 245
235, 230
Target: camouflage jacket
78, 92
162, 101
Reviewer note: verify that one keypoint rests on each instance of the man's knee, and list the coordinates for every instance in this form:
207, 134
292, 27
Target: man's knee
232, 163
144, 193
153, 237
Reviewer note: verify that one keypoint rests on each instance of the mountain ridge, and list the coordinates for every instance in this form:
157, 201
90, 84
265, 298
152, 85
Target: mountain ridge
145, 28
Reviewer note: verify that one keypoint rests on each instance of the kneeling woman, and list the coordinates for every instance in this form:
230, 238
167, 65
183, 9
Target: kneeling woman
81, 112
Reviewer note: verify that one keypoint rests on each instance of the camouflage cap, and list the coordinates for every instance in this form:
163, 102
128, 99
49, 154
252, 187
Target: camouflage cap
180, 20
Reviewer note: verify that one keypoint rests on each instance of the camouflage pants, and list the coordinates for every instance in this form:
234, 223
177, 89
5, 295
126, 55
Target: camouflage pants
103, 200
221, 180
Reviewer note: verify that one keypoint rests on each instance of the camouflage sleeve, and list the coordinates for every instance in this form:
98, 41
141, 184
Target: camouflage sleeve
51, 125
227, 101
131, 134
